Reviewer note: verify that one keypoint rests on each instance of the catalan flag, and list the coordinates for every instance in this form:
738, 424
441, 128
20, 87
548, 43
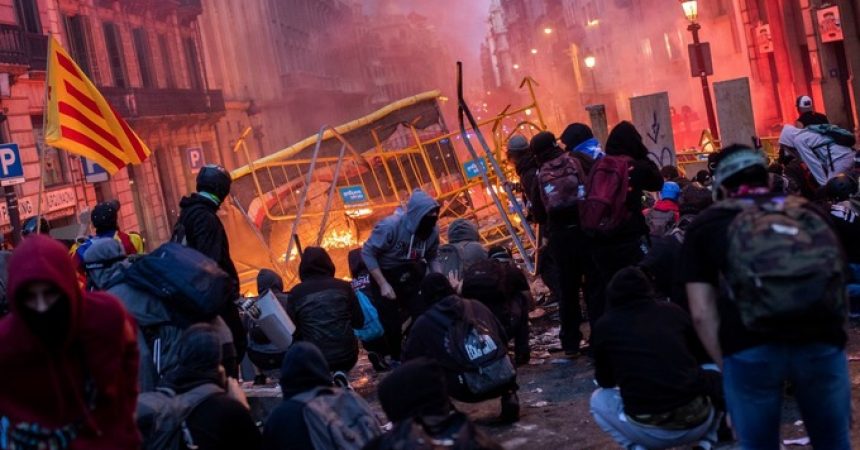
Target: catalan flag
80, 120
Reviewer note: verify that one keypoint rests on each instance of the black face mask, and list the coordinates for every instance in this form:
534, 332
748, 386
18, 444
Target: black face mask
51, 326
426, 226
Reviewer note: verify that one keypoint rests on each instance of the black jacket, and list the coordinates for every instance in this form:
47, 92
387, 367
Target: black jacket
325, 310
304, 369
221, 422
645, 348
526, 168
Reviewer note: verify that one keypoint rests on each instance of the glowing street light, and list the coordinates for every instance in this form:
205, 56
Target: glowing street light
547, 30
534, 51
516, 67
590, 62
691, 10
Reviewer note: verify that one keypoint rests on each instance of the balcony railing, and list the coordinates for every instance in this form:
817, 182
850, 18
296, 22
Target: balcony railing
19, 48
142, 102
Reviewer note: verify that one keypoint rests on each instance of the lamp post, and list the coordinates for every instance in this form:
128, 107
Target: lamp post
691, 11
591, 63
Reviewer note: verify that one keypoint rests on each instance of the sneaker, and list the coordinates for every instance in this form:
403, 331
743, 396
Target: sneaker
378, 362
340, 380
510, 408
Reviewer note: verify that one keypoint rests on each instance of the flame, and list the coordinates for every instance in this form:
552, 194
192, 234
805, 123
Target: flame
339, 239
359, 213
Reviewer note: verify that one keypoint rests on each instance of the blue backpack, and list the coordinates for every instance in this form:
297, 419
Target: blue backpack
372, 328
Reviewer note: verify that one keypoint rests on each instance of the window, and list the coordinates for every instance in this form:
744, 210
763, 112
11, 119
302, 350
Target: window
77, 30
164, 49
115, 55
56, 162
28, 16
194, 74
144, 59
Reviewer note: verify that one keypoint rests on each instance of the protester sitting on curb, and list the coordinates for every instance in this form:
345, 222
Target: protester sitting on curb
305, 419
415, 399
69, 358
215, 410
469, 342
325, 310
652, 394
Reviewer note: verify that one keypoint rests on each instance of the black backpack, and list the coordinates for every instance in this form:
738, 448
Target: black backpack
486, 281
452, 432
161, 416
190, 284
476, 351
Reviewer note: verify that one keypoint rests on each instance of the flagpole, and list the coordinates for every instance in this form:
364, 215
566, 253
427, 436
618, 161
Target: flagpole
44, 150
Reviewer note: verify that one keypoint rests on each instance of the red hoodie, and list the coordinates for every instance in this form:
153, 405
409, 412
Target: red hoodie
46, 387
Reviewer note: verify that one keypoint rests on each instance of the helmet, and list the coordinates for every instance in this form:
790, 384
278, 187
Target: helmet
215, 180
104, 216
840, 188
29, 226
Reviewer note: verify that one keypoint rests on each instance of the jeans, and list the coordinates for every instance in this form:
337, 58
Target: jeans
754, 381
608, 411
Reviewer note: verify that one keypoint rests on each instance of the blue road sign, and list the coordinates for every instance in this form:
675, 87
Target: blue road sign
93, 172
353, 195
11, 168
472, 170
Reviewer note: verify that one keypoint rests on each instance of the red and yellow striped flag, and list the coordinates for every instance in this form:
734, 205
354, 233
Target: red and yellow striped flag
81, 121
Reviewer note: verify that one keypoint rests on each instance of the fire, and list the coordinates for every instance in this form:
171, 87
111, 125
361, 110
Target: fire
339, 239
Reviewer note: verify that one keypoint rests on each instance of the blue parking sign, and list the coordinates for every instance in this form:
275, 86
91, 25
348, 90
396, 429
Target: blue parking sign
472, 170
11, 168
93, 172
353, 195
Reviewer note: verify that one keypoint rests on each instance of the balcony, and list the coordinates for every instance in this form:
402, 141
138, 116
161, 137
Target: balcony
18, 48
140, 103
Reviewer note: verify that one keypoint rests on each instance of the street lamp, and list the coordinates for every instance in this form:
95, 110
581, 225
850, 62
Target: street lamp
516, 67
591, 63
547, 30
691, 12
534, 51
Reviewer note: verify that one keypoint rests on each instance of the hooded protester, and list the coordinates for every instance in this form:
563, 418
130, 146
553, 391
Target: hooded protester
261, 351
69, 358
326, 310
398, 252
104, 262
415, 399
304, 370
198, 227
652, 394
565, 235
626, 245
221, 418
378, 350
580, 141
464, 234
526, 167
429, 337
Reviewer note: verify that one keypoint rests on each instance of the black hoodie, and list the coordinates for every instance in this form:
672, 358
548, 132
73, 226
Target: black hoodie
304, 369
645, 348
325, 310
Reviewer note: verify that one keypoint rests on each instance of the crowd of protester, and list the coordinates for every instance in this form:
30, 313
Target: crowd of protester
704, 298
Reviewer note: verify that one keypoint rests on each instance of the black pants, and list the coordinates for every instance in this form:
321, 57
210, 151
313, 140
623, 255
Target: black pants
608, 259
568, 245
405, 280
514, 317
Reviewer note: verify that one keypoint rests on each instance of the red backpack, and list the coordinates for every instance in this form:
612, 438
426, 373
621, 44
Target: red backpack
560, 179
604, 209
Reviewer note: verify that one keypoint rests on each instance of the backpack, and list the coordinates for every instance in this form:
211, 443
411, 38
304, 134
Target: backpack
785, 268
338, 419
486, 282
161, 416
189, 283
839, 136
604, 208
453, 432
823, 155
660, 222
372, 328
559, 180
476, 352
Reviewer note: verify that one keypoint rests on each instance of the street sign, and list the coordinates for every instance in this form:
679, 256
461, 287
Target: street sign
697, 67
93, 172
472, 170
353, 195
196, 159
11, 168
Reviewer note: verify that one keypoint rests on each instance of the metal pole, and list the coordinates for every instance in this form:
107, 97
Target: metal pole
706, 89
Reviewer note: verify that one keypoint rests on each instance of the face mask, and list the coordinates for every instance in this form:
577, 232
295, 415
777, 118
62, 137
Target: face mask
51, 326
426, 226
